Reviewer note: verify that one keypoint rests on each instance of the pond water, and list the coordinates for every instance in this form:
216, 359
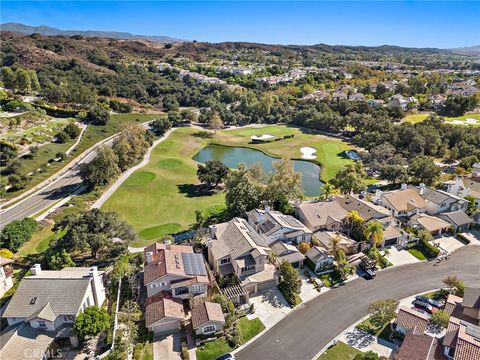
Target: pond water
232, 156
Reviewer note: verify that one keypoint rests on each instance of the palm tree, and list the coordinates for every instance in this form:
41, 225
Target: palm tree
272, 257
328, 190
335, 242
353, 218
374, 232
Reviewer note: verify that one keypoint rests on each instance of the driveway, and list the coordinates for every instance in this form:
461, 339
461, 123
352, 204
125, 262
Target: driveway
303, 333
473, 236
449, 243
307, 292
400, 257
167, 347
270, 306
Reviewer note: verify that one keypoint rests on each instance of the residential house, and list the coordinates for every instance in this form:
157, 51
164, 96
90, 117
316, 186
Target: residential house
316, 95
326, 238
207, 318
49, 299
321, 215
410, 320
439, 201
462, 339
466, 185
163, 313
175, 269
417, 346
318, 259
436, 102
404, 202
339, 95
375, 103
236, 249
356, 97
273, 226
287, 252
45, 306
367, 210
6, 273
459, 220
434, 225
398, 101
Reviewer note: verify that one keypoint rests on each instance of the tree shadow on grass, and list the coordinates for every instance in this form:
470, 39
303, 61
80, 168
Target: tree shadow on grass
195, 190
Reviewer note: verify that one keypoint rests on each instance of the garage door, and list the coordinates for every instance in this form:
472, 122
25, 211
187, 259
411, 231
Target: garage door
391, 241
166, 327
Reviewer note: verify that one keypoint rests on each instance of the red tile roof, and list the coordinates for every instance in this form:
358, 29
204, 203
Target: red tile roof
412, 320
206, 311
162, 305
419, 347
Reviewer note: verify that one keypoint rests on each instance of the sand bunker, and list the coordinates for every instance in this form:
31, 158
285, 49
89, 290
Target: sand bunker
308, 152
262, 137
468, 121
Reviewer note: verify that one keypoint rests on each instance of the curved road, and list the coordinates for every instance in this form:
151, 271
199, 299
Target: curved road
305, 331
53, 192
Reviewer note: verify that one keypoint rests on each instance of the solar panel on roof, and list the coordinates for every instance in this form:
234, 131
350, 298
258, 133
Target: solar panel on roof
193, 264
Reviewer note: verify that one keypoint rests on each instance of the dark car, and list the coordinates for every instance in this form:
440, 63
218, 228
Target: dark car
226, 356
368, 265
431, 301
425, 305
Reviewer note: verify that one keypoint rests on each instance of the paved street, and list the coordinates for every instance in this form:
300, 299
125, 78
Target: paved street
304, 332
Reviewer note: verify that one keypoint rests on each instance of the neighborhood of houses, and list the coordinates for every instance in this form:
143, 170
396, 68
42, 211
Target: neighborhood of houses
241, 258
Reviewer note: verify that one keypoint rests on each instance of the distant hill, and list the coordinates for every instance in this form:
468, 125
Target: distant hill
50, 31
471, 50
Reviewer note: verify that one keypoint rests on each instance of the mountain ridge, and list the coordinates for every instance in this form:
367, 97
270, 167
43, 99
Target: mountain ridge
51, 31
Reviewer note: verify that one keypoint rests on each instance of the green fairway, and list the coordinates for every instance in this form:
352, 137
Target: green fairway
162, 197
415, 118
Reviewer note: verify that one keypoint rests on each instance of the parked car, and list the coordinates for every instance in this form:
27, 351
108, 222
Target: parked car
368, 265
431, 301
426, 306
226, 356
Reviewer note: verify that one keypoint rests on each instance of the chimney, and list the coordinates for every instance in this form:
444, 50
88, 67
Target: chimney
149, 257
403, 186
422, 188
36, 269
97, 287
267, 208
213, 231
297, 203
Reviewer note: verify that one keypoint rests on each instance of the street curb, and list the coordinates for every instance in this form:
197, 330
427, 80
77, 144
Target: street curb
358, 322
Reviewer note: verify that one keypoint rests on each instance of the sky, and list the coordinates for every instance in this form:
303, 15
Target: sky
402, 23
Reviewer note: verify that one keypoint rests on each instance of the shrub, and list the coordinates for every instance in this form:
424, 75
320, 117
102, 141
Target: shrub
62, 137
440, 318
16, 233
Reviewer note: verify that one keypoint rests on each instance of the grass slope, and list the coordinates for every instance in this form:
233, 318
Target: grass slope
340, 351
162, 197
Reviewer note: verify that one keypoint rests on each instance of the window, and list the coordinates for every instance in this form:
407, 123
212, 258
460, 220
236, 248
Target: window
248, 268
68, 318
42, 324
225, 261
209, 329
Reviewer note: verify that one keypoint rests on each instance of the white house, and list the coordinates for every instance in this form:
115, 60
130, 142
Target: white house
319, 259
207, 318
273, 226
6, 273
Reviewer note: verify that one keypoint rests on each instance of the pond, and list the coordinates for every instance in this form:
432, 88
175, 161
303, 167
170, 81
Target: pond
232, 156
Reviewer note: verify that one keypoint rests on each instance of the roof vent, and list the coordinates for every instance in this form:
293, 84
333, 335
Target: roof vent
33, 300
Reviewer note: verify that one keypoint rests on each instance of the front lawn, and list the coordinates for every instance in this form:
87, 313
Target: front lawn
383, 332
340, 351
213, 349
417, 253
330, 279
249, 328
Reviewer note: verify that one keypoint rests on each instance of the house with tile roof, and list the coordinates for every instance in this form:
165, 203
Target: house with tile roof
319, 259
417, 346
439, 201
433, 224
207, 317
404, 202
462, 339
410, 320
459, 220
175, 269
273, 226
163, 313
287, 252
45, 306
236, 249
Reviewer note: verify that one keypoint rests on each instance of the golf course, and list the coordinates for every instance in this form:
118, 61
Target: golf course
162, 197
